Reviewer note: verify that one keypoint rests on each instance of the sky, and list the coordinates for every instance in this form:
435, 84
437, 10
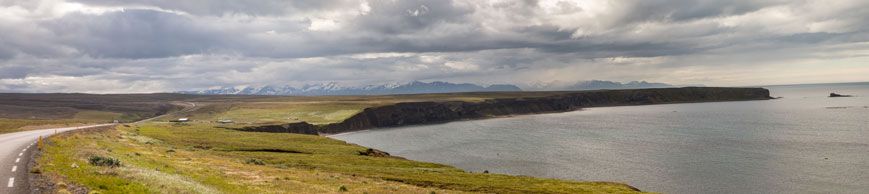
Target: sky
140, 46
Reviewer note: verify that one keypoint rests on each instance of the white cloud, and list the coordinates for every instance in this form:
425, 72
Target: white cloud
318, 24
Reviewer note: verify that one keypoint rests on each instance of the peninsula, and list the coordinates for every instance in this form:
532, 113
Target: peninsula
411, 113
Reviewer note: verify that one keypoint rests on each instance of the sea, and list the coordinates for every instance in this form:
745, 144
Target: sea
802, 142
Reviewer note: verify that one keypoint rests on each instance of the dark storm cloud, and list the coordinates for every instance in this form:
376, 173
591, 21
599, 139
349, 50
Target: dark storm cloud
6, 53
224, 7
134, 34
681, 10
14, 72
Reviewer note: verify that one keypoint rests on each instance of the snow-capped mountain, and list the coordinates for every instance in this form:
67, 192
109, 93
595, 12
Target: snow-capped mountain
596, 85
333, 88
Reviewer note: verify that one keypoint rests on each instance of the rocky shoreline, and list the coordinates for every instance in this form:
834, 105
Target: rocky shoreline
412, 113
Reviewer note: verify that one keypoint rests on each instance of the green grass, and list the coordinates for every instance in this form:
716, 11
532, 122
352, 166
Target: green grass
314, 113
317, 110
205, 159
80, 118
97, 115
15, 125
147, 166
321, 153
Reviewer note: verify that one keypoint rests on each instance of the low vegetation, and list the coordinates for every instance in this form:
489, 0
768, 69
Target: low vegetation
104, 161
215, 160
317, 110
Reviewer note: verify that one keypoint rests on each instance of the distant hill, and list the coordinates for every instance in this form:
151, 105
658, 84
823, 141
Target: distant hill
601, 84
415, 87
598, 85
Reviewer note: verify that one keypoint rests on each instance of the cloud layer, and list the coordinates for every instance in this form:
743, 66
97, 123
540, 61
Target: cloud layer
107, 46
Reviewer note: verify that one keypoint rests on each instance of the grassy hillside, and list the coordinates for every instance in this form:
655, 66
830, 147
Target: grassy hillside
199, 158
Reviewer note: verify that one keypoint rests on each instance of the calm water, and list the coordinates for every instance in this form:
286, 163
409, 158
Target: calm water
802, 143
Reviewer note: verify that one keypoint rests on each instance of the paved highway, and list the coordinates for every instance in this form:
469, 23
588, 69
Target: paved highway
15, 149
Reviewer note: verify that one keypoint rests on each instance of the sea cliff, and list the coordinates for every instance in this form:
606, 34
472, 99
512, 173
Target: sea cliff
411, 113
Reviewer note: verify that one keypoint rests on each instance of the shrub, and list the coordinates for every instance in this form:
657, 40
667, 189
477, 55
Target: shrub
104, 161
254, 161
35, 171
342, 188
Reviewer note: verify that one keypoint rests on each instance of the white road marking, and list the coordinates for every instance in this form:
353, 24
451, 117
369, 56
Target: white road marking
14, 168
17, 159
19, 154
11, 182
24, 150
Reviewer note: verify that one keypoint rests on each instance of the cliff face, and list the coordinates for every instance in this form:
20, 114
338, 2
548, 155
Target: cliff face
433, 112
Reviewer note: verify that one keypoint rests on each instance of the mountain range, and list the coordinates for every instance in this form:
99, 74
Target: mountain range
417, 87
601, 84
332, 88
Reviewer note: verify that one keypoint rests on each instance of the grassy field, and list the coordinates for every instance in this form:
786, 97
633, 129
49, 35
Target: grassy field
198, 158
15, 125
19, 112
80, 118
317, 109
23, 110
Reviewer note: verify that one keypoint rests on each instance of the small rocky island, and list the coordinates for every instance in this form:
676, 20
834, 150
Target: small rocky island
832, 95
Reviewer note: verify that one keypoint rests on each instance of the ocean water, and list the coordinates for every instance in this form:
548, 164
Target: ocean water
804, 142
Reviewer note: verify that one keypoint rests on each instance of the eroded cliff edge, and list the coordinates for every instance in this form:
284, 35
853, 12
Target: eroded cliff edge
411, 113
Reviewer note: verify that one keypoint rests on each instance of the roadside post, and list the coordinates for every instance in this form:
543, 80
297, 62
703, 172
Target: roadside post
40, 143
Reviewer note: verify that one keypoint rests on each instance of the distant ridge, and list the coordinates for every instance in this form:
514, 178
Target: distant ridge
418, 87
332, 88
598, 85
601, 84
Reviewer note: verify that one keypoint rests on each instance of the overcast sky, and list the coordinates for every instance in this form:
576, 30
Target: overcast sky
108, 46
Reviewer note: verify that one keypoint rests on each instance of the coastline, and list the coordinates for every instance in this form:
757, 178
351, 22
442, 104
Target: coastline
431, 112
330, 135
416, 113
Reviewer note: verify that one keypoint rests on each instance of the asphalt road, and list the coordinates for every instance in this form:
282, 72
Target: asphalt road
15, 150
